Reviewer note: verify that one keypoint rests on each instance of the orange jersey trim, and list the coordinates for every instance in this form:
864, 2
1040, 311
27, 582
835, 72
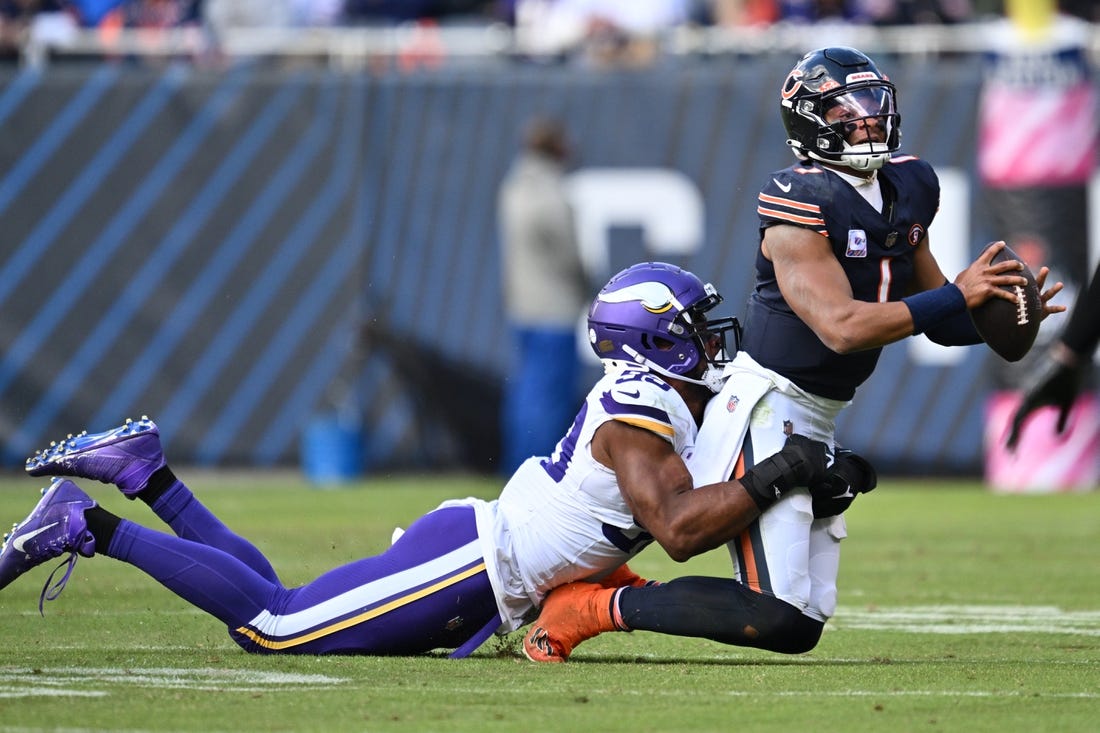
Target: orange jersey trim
795, 218
790, 203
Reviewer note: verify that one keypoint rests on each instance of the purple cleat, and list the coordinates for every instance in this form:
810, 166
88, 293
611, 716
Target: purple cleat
56, 526
125, 456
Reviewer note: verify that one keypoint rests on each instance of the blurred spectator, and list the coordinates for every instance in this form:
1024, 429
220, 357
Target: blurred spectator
816, 11
545, 293
599, 32
91, 13
743, 13
137, 13
161, 13
910, 12
734, 13
225, 15
315, 13
423, 49
19, 18
155, 19
368, 11
1084, 9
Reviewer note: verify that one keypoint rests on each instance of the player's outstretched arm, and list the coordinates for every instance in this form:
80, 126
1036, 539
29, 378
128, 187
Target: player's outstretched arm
1056, 383
1060, 376
686, 521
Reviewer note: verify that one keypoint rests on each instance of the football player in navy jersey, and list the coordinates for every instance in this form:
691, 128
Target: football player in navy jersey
616, 482
843, 268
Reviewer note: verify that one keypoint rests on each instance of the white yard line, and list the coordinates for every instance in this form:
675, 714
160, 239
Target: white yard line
931, 619
73, 681
6, 692
967, 619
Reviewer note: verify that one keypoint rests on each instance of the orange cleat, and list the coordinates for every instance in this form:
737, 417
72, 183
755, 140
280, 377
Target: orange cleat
623, 576
570, 614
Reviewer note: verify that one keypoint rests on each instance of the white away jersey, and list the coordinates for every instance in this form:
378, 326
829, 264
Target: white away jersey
562, 518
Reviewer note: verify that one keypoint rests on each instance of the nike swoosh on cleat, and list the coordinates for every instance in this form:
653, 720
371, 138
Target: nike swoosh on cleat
17, 543
785, 188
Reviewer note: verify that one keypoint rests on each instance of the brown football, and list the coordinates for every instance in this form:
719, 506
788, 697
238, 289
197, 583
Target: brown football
1010, 328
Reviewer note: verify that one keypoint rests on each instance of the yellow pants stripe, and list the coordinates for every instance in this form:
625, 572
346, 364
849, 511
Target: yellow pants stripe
365, 616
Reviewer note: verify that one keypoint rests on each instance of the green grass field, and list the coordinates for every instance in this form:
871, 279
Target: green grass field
959, 611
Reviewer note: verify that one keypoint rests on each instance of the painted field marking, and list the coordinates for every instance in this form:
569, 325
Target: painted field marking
48, 692
925, 619
82, 681
969, 619
919, 693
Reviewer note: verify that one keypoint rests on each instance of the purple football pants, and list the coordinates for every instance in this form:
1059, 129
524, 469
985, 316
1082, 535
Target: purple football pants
430, 590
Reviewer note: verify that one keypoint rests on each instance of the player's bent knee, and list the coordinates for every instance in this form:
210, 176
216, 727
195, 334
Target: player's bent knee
799, 634
788, 630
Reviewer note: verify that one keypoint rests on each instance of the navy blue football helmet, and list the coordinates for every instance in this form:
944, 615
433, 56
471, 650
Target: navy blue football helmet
843, 85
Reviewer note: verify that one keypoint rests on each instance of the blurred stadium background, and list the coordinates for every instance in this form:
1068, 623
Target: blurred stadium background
251, 223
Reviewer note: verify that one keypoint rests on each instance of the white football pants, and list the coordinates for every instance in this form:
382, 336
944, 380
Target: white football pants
786, 553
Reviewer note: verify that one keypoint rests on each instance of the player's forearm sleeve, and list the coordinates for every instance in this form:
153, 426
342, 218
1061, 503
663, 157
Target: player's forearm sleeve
955, 330
930, 308
1083, 330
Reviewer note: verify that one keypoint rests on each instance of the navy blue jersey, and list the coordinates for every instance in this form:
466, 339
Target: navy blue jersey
875, 249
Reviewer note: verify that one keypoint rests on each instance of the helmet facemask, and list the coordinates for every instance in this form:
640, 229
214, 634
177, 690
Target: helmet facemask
710, 336
835, 95
654, 315
855, 112
839, 114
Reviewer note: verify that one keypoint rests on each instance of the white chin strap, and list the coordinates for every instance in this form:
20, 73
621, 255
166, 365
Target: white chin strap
712, 377
859, 157
862, 157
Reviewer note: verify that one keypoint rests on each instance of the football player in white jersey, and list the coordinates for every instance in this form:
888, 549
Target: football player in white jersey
469, 568
625, 465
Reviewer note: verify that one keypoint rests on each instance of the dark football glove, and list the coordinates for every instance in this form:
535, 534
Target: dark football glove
1053, 383
801, 462
849, 475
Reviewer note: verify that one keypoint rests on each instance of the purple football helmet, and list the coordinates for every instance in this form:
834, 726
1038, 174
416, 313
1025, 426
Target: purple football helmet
654, 314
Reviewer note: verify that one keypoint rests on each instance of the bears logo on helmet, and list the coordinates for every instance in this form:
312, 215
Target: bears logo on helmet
841, 77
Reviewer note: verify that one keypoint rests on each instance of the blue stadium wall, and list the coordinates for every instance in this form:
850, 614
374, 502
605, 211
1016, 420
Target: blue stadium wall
235, 254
